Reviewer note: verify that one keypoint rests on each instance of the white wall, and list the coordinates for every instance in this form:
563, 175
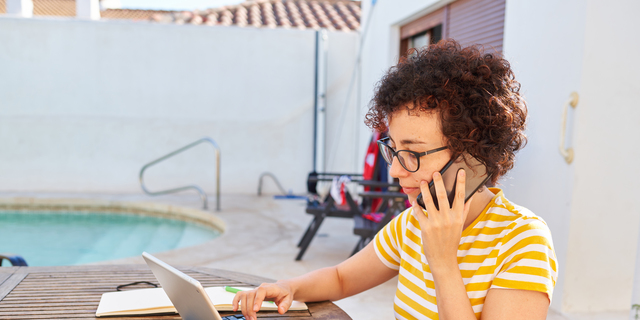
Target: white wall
85, 104
547, 60
605, 213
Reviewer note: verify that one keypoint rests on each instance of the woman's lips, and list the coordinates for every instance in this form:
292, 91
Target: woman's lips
408, 190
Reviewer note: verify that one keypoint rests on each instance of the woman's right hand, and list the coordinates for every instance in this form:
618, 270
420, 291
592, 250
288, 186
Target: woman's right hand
279, 292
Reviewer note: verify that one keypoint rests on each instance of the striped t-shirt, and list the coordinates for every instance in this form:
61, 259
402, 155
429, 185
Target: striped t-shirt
507, 246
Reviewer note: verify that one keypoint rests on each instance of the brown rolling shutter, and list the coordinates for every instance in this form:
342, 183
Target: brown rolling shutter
477, 22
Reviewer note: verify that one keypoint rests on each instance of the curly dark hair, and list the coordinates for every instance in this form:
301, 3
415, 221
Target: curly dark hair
475, 93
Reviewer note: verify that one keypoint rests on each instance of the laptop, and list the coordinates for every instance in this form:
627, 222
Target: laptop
186, 293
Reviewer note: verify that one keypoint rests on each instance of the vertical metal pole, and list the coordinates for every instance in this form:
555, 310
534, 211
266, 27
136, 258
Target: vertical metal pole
217, 180
315, 106
321, 100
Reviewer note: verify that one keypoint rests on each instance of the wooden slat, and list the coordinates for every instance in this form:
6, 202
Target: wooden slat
9, 284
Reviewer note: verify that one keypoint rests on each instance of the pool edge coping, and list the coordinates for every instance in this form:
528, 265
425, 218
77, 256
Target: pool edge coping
100, 205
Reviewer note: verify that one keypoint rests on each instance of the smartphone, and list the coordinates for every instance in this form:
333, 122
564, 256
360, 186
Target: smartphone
477, 176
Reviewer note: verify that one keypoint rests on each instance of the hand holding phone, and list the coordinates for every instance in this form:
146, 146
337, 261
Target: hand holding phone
477, 176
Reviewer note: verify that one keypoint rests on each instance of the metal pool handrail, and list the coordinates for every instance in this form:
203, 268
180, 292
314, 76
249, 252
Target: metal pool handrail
203, 195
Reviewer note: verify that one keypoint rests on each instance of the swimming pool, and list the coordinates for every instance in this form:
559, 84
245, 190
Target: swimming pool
64, 237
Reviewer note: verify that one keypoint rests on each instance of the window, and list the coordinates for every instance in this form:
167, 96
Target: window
467, 21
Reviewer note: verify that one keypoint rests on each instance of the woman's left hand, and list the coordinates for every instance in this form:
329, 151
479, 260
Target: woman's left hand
442, 229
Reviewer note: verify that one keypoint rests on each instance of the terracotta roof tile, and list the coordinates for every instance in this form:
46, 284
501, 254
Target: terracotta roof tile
302, 14
67, 8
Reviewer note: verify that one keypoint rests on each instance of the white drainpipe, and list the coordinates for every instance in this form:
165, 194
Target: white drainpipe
88, 9
20, 8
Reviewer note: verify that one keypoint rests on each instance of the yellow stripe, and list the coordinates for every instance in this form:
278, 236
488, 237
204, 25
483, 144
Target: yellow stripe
389, 239
485, 230
516, 232
523, 285
530, 271
479, 244
383, 252
522, 244
417, 273
416, 289
484, 270
477, 301
403, 313
416, 306
478, 286
499, 218
532, 255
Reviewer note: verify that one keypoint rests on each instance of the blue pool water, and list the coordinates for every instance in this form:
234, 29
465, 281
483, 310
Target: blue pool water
70, 238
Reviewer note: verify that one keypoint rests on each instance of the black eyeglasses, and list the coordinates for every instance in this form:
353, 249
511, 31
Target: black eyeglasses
409, 160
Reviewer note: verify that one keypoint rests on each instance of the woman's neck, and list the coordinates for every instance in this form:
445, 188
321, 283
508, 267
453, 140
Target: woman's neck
479, 201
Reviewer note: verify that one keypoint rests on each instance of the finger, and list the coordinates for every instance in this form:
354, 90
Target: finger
426, 197
284, 304
248, 306
257, 302
243, 303
235, 301
441, 192
458, 200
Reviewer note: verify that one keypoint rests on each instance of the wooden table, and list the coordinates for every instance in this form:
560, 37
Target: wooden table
74, 292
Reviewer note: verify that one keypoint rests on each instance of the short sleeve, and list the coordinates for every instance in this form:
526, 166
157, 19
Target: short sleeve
387, 242
527, 260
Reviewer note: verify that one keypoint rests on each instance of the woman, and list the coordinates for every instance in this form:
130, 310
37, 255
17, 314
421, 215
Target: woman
486, 258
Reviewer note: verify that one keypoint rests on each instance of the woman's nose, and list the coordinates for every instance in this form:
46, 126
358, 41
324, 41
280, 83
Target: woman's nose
396, 170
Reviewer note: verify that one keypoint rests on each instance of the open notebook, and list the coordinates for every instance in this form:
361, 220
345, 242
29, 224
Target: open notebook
155, 300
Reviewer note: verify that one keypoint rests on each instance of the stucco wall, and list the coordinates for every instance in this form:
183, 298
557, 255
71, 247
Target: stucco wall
84, 104
547, 60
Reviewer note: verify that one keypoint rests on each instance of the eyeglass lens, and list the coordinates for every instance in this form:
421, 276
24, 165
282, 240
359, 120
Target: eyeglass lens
407, 159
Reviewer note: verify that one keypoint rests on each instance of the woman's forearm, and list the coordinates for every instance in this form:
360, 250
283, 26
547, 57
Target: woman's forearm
451, 294
319, 285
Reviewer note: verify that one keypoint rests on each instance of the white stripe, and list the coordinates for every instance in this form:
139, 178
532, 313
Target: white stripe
524, 277
420, 283
535, 263
477, 294
483, 237
478, 308
398, 316
479, 279
412, 311
528, 248
384, 260
477, 252
501, 212
391, 252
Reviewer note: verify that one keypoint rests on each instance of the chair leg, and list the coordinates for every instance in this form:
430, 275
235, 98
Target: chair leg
361, 244
357, 248
306, 239
304, 235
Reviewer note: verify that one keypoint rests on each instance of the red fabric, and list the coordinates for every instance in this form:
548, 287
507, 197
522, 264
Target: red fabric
371, 158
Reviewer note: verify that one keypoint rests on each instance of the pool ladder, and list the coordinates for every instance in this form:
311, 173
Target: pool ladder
203, 195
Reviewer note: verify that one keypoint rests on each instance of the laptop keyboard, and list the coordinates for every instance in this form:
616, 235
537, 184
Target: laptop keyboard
234, 317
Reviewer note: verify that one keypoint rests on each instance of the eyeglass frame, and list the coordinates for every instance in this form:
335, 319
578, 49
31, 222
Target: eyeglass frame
394, 153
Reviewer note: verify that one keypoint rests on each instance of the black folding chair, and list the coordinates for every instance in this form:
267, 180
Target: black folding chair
326, 208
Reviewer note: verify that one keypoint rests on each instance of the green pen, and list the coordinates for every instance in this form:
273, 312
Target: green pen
236, 290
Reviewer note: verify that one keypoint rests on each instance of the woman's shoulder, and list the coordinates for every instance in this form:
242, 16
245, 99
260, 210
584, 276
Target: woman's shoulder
510, 216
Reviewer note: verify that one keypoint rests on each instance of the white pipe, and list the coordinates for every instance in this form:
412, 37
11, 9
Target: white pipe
88, 9
321, 98
20, 8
